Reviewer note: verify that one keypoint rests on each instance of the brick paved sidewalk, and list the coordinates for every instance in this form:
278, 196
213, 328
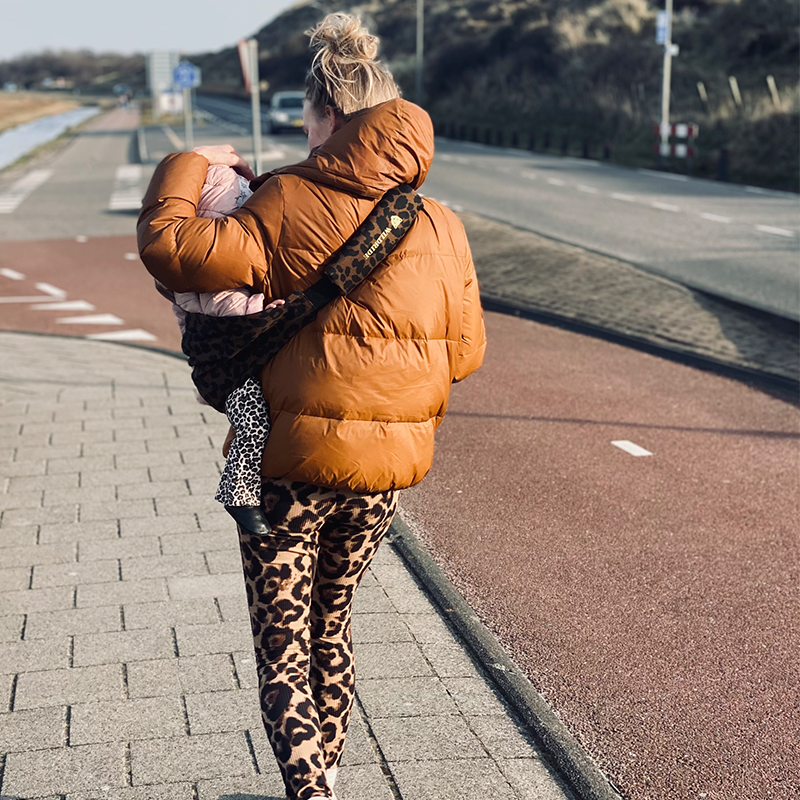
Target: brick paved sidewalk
126, 669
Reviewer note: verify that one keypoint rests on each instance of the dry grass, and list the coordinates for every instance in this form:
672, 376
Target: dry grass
20, 107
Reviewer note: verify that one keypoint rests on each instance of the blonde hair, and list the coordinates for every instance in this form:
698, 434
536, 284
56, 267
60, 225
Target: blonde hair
344, 73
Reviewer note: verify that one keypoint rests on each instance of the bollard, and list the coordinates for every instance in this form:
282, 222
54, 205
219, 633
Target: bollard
546, 145
532, 141
500, 138
475, 134
606, 150
514, 139
488, 137
723, 164
564, 145
585, 149
462, 132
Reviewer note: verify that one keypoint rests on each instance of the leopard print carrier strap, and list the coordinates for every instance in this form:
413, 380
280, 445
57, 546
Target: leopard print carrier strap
224, 351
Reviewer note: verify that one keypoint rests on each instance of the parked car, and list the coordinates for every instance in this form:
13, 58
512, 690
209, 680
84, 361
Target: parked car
285, 112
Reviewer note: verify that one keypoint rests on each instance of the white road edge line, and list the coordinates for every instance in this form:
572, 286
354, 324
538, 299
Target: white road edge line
133, 335
775, 231
667, 175
12, 274
41, 298
92, 319
716, 218
173, 137
631, 448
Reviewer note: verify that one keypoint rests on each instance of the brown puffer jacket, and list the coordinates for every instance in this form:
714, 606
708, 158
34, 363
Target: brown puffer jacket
356, 396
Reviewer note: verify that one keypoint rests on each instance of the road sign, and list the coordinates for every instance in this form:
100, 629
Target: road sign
662, 22
186, 75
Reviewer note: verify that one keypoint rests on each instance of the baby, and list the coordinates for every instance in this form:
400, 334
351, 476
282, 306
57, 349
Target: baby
239, 489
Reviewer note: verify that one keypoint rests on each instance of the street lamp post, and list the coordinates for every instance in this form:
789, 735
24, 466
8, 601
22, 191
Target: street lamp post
420, 47
669, 51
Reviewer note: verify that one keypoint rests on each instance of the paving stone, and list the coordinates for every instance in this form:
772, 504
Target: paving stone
218, 755
405, 697
68, 480
466, 780
533, 779
162, 791
109, 648
246, 669
48, 452
115, 477
204, 487
6, 685
377, 628
372, 600
199, 542
409, 600
222, 637
38, 554
183, 523
234, 608
18, 536
78, 532
392, 660
22, 500
67, 686
109, 423
206, 586
218, 520
216, 712
121, 593
426, 738
145, 434
11, 628
35, 729
185, 505
147, 718
50, 624
474, 697
75, 573
200, 469
184, 564
224, 562
156, 490
51, 515
449, 660
123, 509
24, 468
15, 578
170, 613
193, 675
502, 737
429, 628
117, 548
113, 448
167, 461
68, 769
33, 656
261, 787
84, 465
358, 748
363, 781
93, 495
36, 600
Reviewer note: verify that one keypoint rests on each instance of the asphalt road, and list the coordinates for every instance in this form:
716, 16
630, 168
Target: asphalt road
651, 598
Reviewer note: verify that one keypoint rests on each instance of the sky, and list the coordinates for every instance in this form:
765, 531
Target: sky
129, 26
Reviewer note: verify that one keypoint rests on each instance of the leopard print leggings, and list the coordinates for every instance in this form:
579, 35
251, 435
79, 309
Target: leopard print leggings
300, 582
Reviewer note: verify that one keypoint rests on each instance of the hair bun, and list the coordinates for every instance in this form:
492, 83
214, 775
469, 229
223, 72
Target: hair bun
344, 38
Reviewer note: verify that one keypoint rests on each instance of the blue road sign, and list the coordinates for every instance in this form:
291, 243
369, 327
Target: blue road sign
662, 21
186, 75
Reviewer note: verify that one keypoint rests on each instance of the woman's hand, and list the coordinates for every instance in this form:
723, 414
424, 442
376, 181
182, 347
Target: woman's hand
274, 304
225, 155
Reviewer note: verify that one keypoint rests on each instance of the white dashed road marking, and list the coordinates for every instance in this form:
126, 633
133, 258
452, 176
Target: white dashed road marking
12, 274
11, 199
665, 206
555, 181
36, 299
775, 231
53, 291
531, 176
627, 198
127, 194
668, 175
131, 256
134, 335
81, 239
631, 448
587, 189
67, 305
716, 218
92, 319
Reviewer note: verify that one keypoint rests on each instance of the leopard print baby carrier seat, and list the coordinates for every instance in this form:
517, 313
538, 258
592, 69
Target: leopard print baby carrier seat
227, 353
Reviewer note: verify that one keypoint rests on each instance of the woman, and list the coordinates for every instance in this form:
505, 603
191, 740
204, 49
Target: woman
355, 397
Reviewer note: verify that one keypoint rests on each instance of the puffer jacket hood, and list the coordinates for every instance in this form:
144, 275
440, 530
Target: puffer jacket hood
374, 151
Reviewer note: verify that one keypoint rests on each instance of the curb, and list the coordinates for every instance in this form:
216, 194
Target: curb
561, 747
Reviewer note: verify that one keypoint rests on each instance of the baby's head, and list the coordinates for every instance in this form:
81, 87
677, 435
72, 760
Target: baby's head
224, 191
